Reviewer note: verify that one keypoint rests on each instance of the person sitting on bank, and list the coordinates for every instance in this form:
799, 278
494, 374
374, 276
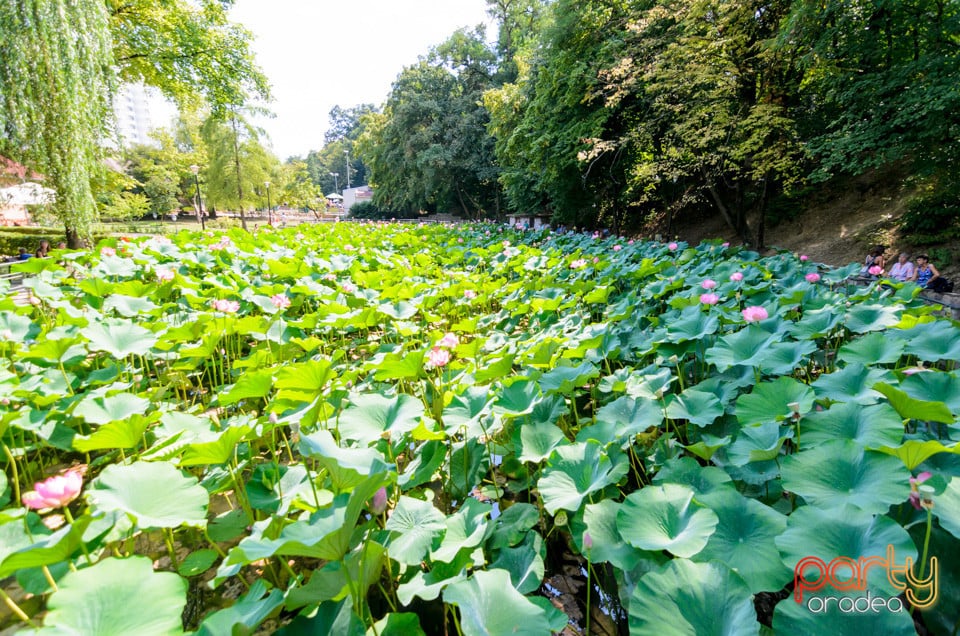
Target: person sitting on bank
44, 249
903, 269
22, 254
925, 273
873, 259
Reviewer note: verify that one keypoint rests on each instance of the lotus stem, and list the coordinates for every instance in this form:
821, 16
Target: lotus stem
49, 577
9, 602
13, 468
926, 543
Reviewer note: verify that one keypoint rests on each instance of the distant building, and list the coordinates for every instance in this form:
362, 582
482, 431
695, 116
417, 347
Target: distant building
139, 110
359, 194
529, 221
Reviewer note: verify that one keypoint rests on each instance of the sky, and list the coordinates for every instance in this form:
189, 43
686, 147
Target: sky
319, 54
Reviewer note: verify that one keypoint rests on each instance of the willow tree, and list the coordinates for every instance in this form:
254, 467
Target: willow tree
55, 77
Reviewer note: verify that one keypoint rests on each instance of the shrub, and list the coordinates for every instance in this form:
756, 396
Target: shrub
932, 218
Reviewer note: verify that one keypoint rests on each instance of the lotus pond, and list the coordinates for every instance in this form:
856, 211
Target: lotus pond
384, 429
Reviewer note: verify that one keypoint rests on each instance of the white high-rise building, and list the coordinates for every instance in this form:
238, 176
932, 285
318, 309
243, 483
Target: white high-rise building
140, 109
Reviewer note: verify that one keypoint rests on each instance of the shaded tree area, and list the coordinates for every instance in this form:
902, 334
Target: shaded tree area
621, 113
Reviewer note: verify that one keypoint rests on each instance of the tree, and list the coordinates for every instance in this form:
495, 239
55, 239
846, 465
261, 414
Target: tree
189, 50
430, 149
55, 79
239, 164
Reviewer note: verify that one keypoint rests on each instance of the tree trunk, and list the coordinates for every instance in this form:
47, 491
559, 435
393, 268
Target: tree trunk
236, 164
74, 241
739, 225
762, 222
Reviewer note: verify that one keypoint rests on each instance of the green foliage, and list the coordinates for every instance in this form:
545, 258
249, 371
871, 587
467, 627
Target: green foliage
933, 218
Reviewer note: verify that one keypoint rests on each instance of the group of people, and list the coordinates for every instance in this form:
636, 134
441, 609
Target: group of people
43, 250
924, 273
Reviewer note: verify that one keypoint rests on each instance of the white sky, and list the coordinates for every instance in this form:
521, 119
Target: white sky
319, 54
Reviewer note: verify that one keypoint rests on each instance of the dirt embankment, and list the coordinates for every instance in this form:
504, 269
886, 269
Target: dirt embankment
840, 225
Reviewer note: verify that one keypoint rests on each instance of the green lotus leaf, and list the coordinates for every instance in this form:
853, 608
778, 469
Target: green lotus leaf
853, 383
428, 585
564, 380
700, 408
914, 452
511, 527
844, 531
302, 381
99, 599
687, 472
770, 401
215, 451
573, 472
817, 323
933, 341
43, 549
524, 563
873, 348
841, 472
126, 433
911, 408
535, 441
491, 606
629, 416
401, 366
255, 384
156, 495
128, 306
650, 383
757, 443
666, 517
932, 386
413, 524
17, 328
466, 528
947, 507
66, 351
518, 398
865, 317
869, 426
346, 467
745, 347
684, 598
782, 358
397, 624
744, 539
105, 409
247, 613
370, 415
599, 520
692, 324
495, 368
119, 339
791, 617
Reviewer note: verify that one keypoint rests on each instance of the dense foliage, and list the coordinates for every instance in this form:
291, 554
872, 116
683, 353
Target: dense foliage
614, 112
390, 429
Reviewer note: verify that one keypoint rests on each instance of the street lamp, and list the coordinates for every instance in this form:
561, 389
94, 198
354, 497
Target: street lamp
335, 175
347, 152
195, 169
269, 207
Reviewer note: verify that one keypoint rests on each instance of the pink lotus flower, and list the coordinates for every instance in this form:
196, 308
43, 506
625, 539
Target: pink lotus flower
914, 488
506, 243
912, 370
226, 306
164, 274
709, 299
379, 502
812, 277
438, 357
617, 248
708, 284
725, 244
876, 270
672, 246
107, 251
596, 259
348, 288
587, 540
736, 277
459, 240
329, 276
630, 242
754, 314
577, 264
469, 294
449, 340
804, 257
280, 301
54, 492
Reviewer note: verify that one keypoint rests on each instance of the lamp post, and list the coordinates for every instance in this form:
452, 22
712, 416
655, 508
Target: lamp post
269, 207
195, 169
347, 152
335, 175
